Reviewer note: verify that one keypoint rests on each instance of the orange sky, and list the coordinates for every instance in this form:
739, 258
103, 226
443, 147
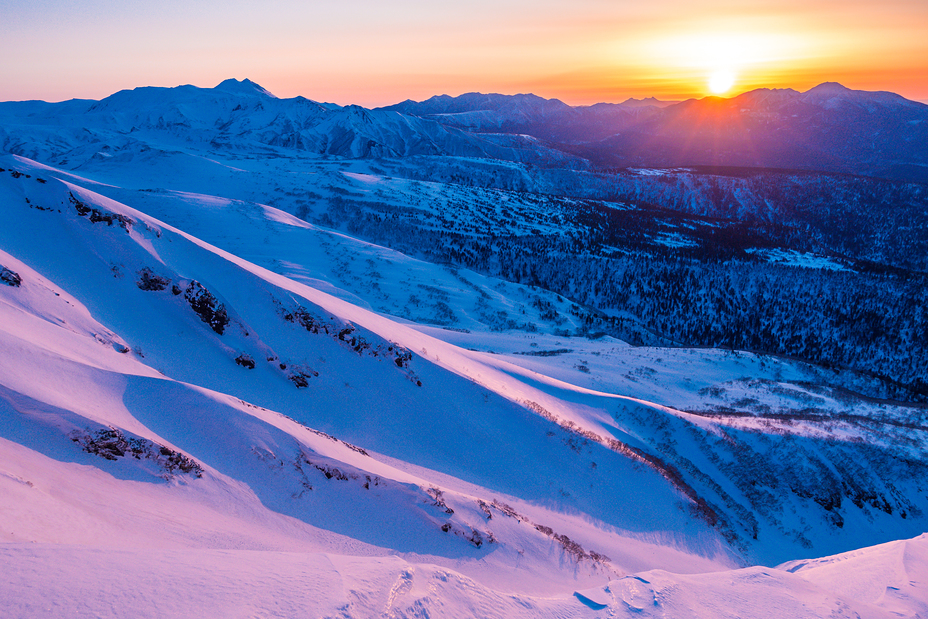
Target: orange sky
376, 52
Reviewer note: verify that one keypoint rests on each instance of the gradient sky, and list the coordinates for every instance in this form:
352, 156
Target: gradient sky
377, 52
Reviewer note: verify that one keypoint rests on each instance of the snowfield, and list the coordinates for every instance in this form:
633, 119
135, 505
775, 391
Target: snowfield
210, 407
55, 580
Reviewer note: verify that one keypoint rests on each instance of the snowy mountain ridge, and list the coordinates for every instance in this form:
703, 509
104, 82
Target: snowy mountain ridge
241, 115
829, 128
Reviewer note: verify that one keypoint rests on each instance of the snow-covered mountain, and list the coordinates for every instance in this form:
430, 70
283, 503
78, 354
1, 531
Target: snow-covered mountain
218, 396
547, 119
827, 128
238, 115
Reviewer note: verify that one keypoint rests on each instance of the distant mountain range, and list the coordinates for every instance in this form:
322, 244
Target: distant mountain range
828, 128
242, 115
546, 119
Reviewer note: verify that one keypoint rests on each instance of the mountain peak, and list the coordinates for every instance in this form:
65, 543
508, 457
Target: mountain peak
245, 86
829, 88
832, 94
648, 101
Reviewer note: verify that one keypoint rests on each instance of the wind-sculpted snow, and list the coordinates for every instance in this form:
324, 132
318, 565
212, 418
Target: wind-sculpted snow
285, 584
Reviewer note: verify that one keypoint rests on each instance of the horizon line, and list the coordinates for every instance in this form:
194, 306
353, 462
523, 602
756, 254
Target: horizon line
673, 101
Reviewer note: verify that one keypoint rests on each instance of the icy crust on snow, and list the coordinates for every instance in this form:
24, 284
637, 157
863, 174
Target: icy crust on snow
889, 576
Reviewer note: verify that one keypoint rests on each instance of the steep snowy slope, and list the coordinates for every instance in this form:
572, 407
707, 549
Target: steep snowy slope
94, 366
360, 272
732, 441
161, 395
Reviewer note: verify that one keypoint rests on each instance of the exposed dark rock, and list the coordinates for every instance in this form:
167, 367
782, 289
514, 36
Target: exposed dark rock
439, 499
485, 509
10, 278
112, 444
348, 335
246, 361
300, 378
149, 281
328, 436
546, 353
207, 307
308, 321
402, 357
97, 216
475, 538
331, 472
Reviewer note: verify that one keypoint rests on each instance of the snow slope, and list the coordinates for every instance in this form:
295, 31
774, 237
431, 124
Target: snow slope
69, 580
176, 412
89, 369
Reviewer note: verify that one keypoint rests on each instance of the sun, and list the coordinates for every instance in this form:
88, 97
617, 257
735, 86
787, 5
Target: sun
721, 81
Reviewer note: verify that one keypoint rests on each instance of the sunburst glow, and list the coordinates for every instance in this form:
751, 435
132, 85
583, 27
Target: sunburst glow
721, 81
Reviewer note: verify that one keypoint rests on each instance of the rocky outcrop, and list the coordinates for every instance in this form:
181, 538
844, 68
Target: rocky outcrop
246, 361
10, 277
207, 306
113, 444
148, 280
97, 216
